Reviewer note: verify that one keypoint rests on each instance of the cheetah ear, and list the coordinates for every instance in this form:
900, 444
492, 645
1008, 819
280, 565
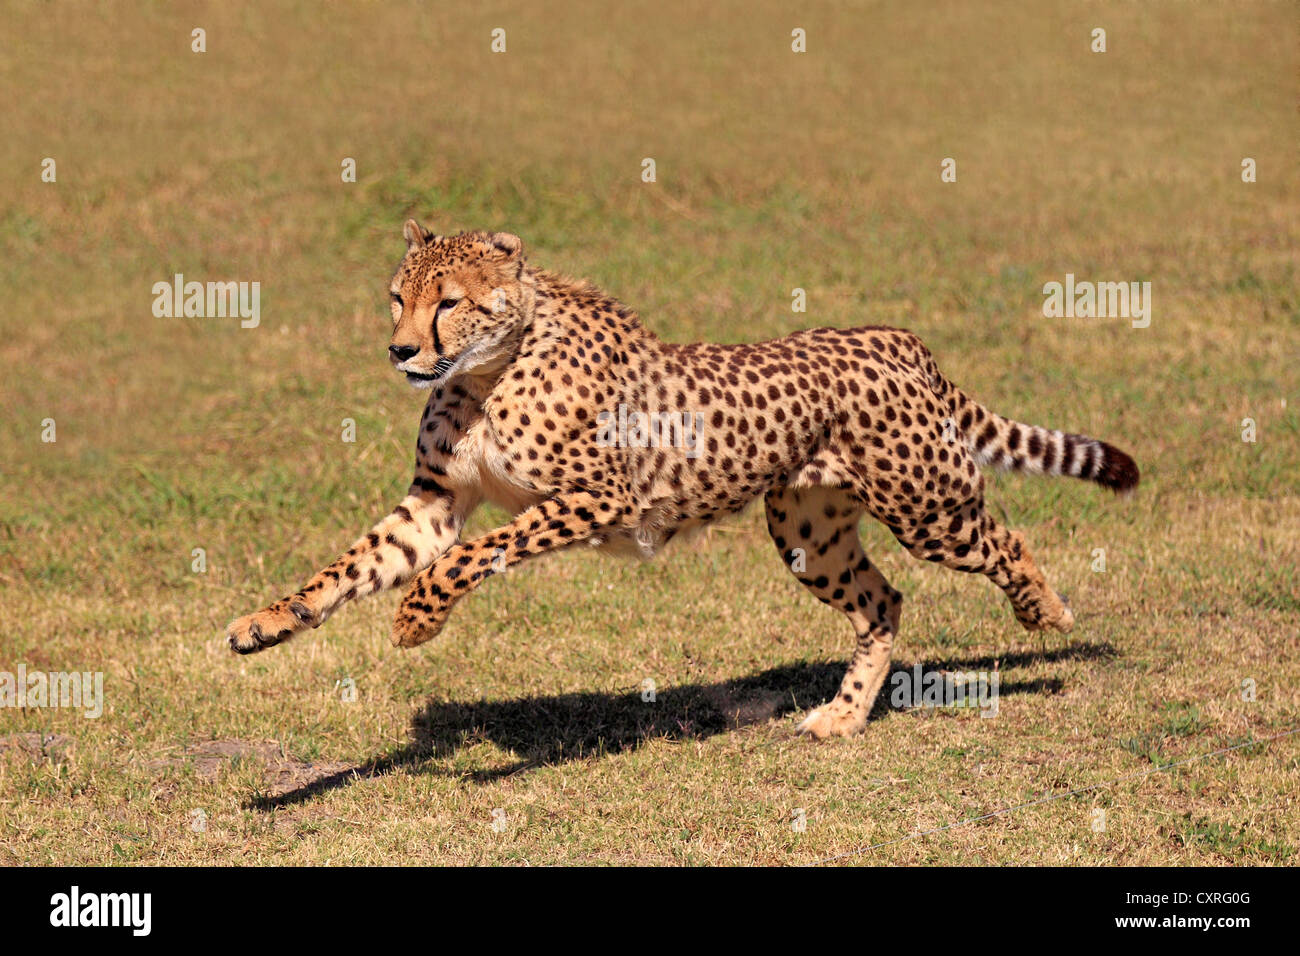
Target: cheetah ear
416, 235
506, 246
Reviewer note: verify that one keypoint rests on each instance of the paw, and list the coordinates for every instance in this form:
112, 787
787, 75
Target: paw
273, 625
413, 628
1052, 614
836, 719
1058, 616
419, 617
1065, 620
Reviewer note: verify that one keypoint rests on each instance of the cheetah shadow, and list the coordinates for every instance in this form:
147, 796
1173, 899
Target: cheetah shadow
540, 731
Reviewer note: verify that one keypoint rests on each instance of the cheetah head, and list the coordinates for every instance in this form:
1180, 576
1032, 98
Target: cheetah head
458, 303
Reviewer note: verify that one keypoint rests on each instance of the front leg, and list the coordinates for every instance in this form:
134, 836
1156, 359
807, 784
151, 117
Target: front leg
556, 523
422, 527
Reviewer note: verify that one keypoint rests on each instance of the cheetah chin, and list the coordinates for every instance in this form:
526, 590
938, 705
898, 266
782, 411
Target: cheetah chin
442, 369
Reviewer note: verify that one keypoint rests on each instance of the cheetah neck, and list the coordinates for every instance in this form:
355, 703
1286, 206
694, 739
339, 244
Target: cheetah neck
560, 301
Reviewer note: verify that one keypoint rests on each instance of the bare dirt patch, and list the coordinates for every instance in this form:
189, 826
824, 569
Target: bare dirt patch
38, 746
210, 758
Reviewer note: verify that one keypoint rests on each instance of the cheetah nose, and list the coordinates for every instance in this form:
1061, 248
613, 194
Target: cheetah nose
402, 352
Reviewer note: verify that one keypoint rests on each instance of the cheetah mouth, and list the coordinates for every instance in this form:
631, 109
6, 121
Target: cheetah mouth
424, 379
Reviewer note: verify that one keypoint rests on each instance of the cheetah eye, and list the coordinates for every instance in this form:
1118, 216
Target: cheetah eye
448, 304
397, 299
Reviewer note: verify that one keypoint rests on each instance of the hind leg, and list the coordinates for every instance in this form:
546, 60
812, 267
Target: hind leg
816, 531
968, 538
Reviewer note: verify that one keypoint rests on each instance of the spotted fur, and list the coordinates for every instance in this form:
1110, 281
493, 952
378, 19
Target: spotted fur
824, 425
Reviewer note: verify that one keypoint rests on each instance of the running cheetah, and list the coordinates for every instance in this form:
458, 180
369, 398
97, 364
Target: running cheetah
527, 370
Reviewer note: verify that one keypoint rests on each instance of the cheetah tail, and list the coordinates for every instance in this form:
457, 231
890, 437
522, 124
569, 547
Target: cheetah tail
1004, 443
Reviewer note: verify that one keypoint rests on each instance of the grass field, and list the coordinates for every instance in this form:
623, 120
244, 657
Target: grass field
775, 170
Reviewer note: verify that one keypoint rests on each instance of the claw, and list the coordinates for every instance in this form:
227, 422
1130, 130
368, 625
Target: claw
805, 725
303, 613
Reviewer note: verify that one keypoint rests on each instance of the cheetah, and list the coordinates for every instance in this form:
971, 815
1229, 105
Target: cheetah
524, 369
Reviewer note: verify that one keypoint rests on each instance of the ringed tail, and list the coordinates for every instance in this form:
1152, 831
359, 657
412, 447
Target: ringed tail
1031, 449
